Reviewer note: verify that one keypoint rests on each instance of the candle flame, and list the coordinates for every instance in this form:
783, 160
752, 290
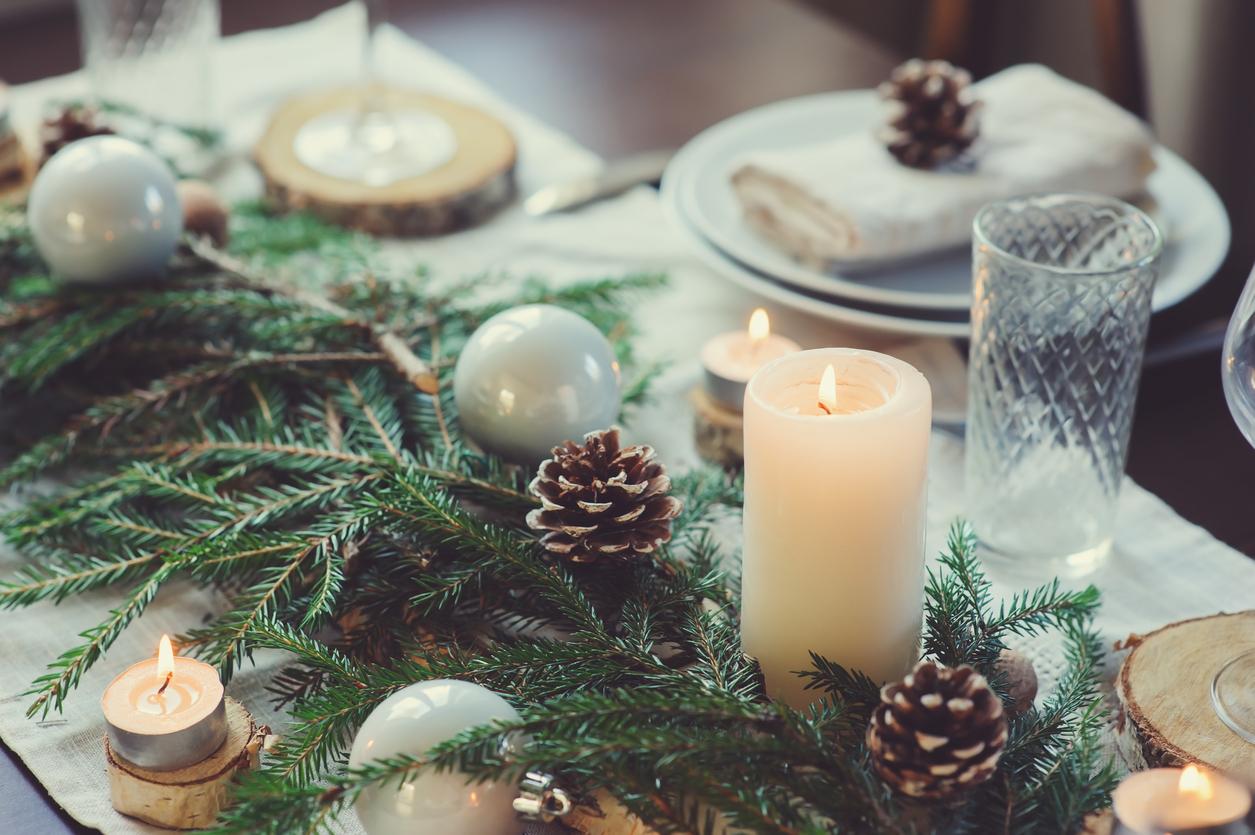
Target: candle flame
760, 326
165, 657
1195, 783
828, 391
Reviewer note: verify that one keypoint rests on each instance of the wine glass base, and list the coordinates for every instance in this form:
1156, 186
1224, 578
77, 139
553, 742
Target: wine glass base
1233, 695
375, 148
1026, 563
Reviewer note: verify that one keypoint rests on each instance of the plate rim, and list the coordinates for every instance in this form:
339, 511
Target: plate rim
717, 262
682, 174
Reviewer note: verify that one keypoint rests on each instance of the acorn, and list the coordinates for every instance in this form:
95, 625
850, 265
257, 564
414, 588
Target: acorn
204, 212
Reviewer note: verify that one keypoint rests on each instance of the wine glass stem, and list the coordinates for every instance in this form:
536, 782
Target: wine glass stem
376, 16
375, 126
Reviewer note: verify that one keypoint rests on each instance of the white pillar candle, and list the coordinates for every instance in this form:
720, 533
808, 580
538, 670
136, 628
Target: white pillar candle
166, 712
835, 494
730, 359
1179, 800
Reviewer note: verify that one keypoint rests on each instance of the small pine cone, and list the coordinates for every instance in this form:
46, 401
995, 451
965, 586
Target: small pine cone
937, 732
69, 124
601, 502
934, 115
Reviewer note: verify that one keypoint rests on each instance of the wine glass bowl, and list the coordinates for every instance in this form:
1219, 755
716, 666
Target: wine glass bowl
1233, 688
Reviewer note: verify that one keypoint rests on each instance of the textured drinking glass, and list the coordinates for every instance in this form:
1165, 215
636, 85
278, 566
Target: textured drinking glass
151, 55
1061, 303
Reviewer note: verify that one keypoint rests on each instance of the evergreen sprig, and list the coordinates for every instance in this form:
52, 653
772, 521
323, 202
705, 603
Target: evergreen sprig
255, 421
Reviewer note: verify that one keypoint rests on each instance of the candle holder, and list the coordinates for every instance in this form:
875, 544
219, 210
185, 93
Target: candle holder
729, 360
189, 797
718, 431
1189, 801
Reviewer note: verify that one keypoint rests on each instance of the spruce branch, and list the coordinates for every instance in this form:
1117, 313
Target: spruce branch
393, 347
64, 674
252, 422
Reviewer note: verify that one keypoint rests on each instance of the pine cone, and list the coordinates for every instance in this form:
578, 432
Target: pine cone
599, 501
69, 124
934, 117
938, 731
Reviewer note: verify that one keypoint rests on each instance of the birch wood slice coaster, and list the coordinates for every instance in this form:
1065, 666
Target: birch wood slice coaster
1164, 688
718, 431
468, 188
191, 797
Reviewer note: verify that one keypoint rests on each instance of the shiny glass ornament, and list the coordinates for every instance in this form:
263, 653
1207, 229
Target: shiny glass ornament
104, 209
411, 722
532, 377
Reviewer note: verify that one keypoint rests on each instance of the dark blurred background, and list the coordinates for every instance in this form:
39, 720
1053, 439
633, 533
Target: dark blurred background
627, 76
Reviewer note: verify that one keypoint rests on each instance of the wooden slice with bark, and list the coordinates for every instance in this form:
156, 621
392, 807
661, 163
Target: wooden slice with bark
191, 797
1164, 688
466, 190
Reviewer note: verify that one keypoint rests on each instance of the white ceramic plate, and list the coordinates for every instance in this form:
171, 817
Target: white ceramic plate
1192, 216
846, 313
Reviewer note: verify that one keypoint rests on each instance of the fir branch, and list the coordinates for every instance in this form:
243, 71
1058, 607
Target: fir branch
253, 421
60, 574
398, 353
64, 674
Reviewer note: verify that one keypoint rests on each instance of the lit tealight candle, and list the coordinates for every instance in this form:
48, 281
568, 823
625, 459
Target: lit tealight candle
1180, 800
166, 712
730, 359
836, 463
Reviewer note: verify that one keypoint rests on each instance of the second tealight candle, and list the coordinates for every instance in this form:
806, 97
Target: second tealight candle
835, 495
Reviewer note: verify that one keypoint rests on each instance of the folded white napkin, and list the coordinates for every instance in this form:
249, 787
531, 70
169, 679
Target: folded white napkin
848, 200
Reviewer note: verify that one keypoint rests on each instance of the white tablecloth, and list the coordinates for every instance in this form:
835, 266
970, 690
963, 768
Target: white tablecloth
1163, 568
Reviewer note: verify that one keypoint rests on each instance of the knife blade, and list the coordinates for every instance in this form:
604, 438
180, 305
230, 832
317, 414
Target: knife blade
617, 177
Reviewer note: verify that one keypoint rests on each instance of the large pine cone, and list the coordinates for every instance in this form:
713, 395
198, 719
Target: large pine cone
69, 124
937, 732
934, 117
601, 502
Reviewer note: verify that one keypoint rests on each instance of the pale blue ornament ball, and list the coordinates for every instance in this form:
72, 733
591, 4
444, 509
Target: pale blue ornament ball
411, 722
104, 209
532, 377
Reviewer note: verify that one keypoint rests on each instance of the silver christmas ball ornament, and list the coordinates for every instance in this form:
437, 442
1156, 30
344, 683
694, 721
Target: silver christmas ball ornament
428, 802
105, 209
532, 377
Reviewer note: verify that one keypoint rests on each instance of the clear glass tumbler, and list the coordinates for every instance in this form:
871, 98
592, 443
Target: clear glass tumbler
151, 56
1061, 304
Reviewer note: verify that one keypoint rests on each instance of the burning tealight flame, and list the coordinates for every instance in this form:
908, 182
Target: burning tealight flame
760, 326
1195, 783
165, 663
828, 391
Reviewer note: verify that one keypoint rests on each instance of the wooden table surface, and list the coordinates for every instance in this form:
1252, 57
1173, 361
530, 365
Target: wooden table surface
622, 77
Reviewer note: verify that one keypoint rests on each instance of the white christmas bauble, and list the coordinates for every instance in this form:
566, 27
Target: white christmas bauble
411, 722
105, 209
532, 377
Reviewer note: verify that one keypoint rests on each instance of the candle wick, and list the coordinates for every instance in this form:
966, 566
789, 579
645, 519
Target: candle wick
824, 406
165, 684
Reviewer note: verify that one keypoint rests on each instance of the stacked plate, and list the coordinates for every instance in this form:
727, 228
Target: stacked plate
925, 296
